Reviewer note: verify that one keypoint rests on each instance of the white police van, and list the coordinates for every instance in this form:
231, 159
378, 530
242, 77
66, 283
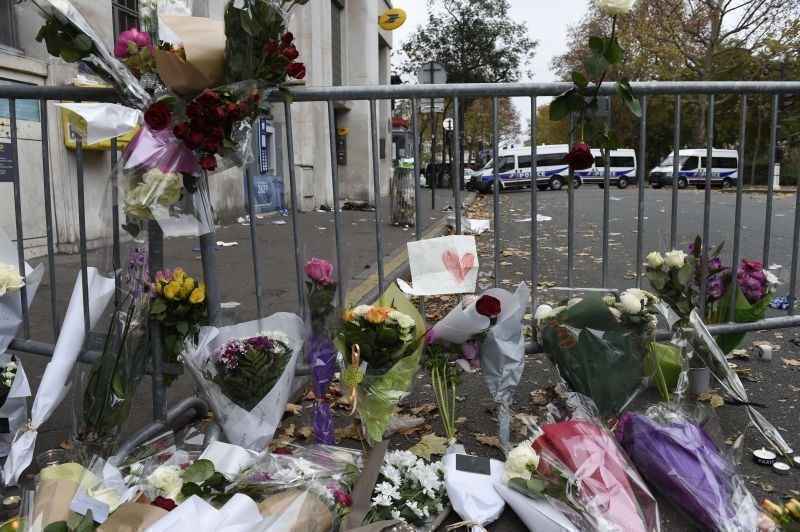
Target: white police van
692, 165
622, 170
514, 169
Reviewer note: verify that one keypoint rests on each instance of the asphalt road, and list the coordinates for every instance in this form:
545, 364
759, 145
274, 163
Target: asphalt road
774, 384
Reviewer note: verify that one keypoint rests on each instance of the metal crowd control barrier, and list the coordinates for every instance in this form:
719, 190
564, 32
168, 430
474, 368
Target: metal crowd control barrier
458, 92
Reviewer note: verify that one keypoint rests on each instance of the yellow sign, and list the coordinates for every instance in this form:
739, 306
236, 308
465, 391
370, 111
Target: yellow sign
392, 19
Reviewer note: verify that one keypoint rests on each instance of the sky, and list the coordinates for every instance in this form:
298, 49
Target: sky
548, 22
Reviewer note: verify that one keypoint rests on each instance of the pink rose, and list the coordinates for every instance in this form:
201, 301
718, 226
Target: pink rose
320, 271
140, 38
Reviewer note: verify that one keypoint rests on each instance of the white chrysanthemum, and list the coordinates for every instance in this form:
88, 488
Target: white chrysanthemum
630, 303
414, 507
10, 279
404, 321
675, 258
382, 500
401, 459
615, 7
167, 480
388, 489
654, 260
392, 474
396, 515
521, 462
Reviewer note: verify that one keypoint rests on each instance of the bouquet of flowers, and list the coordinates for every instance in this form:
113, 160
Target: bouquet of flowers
787, 515
321, 353
409, 489
601, 345
246, 371
382, 345
14, 393
677, 458
10, 279
110, 385
179, 303
487, 332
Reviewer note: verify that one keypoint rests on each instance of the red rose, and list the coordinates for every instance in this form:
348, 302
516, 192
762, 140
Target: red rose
287, 38
194, 110
290, 53
166, 504
296, 70
579, 157
210, 145
217, 133
488, 306
208, 162
271, 48
218, 113
343, 498
181, 130
231, 107
208, 98
194, 139
158, 116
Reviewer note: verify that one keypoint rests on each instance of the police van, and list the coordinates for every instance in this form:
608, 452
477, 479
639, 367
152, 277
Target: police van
622, 169
514, 169
692, 166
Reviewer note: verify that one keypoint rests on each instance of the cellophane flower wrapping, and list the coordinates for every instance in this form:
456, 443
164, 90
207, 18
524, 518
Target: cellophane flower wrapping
600, 350
681, 462
14, 393
379, 389
250, 428
307, 489
602, 485
109, 385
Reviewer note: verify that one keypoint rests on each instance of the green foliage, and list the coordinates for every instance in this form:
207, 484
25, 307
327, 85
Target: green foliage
256, 374
203, 480
247, 30
65, 40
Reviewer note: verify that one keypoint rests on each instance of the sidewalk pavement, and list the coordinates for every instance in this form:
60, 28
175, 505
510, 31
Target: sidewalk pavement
235, 275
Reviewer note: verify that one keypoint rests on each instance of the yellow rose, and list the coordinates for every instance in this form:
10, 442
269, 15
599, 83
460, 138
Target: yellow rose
349, 315
178, 274
172, 290
198, 295
188, 284
377, 315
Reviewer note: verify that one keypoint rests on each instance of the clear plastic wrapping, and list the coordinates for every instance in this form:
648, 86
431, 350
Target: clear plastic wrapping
676, 456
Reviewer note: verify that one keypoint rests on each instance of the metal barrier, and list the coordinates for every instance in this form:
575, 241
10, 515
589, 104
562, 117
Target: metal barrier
458, 92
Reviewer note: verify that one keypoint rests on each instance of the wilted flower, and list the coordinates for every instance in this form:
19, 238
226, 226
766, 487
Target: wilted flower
579, 157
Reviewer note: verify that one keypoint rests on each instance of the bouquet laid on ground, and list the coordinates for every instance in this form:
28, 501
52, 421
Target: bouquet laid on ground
14, 393
409, 489
786, 515
321, 353
677, 458
381, 346
179, 303
677, 278
110, 385
486, 332
603, 346
246, 371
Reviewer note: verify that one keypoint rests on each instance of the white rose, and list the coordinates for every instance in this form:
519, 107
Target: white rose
543, 312
167, 480
615, 7
654, 260
10, 279
675, 258
404, 321
521, 462
641, 294
772, 279
630, 303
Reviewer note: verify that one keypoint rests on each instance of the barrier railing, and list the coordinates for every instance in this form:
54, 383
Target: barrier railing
458, 93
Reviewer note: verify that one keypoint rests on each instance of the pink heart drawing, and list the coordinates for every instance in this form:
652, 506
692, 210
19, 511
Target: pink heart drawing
458, 267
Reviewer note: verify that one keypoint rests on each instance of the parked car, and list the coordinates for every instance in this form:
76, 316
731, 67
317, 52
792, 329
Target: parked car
692, 167
622, 169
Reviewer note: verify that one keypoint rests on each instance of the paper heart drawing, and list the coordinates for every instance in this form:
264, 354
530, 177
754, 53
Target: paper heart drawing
458, 266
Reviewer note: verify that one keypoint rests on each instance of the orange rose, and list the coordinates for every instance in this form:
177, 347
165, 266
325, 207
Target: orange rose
377, 315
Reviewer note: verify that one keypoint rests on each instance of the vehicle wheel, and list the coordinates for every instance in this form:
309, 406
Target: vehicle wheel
727, 183
576, 182
542, 187
556, 183
622, 183
682, 183
601, 185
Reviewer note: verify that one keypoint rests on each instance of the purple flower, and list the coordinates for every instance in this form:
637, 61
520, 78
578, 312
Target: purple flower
430, 337
139, 38
752, 280
716, 288
715, 264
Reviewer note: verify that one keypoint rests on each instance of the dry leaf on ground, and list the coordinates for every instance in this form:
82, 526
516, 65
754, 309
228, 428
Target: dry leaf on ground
423, 409
491, 441
715, 400
350, 432
294, 409
428, 445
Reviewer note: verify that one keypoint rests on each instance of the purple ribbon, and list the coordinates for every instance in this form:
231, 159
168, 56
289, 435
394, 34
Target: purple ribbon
321, 359
161, 149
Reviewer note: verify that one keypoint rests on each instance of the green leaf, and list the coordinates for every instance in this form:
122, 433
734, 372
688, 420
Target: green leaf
217, 481
182, 327
83, 43
685, 274
614, 53
87, 523
536, 485
198, 472
579, 79
658, 279
626, 94
190, 488
70, 55
595, 66
158, 306
560, 106
58, 526
597, 45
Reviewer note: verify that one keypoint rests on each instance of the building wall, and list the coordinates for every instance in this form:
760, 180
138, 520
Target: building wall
311, 24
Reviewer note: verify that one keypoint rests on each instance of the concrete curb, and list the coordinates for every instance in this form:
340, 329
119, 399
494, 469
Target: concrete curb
397, 264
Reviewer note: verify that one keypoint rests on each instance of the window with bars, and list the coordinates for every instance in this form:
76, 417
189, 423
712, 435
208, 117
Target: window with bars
337, 12
8, 35
125, 14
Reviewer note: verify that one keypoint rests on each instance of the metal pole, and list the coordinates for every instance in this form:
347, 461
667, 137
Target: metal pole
432, 179
337, 222
641, 164
676, 142
155, 258
376, 187
773, 140
707, 206
82, 234
455, 163
534, 210
606, 204
251, 209
496, 192
48, 213
208, 258
737, 225
417, 152
571, 210
298, 265
23, 292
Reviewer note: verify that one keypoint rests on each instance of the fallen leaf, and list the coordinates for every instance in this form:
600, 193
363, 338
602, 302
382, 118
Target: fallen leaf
715, 400
427, 408
461, 420
404, 424
792, 362
350, 432
541, 397
294, 409
429, 444
490, 441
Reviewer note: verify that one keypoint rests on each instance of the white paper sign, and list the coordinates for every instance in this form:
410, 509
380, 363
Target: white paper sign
473, 495
104, 120
445, 265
